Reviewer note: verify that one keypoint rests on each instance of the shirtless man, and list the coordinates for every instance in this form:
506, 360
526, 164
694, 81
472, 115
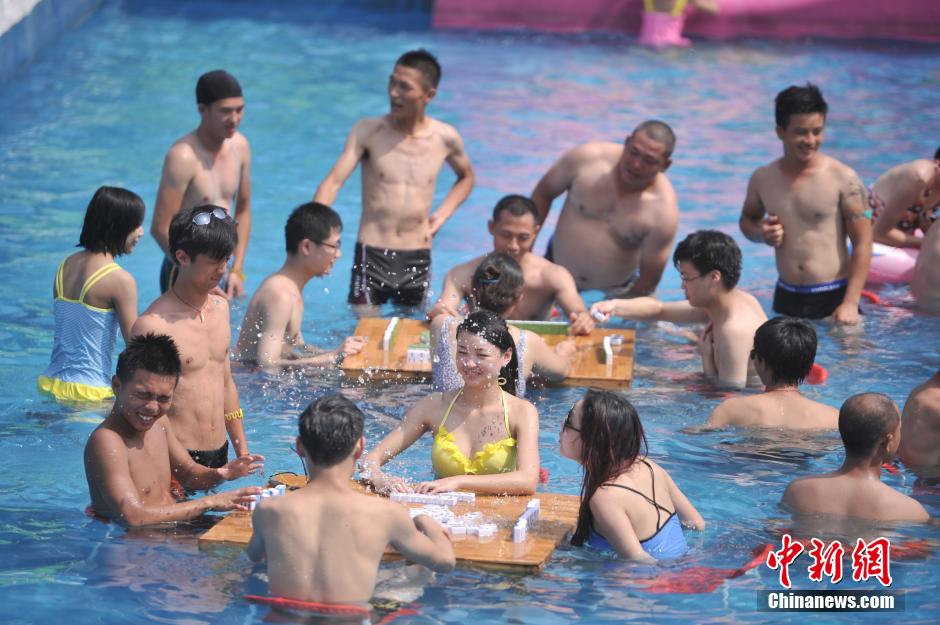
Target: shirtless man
925, 283
306, 534
783, 354
903, 199
870, 427
130, 458
709, 263
620, 215
514, 227
401, 155
210, 165
270, 334
206, 406
920, 436
804, 204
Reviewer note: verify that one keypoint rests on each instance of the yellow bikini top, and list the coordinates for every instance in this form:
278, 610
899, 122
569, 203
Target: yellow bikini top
448, 460
650, 7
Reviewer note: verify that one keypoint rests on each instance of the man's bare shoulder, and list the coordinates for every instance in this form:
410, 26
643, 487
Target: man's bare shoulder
464, 271
766, 173
837, 169
368, 127
275, 291
155, 318
183, 151
445, 131
736, 412
595, 150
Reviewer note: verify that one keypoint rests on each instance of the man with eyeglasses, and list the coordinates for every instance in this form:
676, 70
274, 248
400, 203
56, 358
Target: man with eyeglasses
709, 264
620, 214
271, 332
205, 405
210, 165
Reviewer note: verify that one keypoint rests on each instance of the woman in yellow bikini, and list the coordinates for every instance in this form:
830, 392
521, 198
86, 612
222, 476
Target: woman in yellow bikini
485, 438
93, 297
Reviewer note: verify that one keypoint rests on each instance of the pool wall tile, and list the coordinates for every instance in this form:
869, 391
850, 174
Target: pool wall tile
26, 29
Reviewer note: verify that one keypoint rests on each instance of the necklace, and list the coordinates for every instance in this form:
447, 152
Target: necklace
196, 308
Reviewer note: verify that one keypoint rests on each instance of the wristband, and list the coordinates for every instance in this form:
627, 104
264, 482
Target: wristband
235, 415
237, 272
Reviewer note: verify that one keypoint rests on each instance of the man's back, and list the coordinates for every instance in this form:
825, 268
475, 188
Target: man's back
326, 546
925, 284
920, 430
784, 408
277, 300
847, 495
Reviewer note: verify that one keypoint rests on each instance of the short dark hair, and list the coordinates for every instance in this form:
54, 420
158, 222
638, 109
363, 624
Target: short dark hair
216, 239
516, 205
313, 221
796, 100
497, 282
424, 62
864, 419
936, 155
329, 429
154, 353
787, 346
659, 131
709, 250
112, 215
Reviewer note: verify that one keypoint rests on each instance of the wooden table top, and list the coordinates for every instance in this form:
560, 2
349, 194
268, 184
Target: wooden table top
557, 518
589, 367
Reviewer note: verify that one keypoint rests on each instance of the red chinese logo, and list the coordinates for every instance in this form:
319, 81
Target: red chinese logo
826, 560
784, 558
872, 560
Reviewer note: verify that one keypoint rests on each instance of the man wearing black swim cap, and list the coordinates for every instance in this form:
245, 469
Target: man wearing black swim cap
401, 154
210, 165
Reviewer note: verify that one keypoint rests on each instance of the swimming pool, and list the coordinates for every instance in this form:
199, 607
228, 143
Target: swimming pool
102, 107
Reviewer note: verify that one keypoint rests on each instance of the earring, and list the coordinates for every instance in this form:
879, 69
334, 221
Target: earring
502, 381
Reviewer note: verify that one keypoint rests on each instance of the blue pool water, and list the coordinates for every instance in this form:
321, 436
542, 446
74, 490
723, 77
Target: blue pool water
103, 105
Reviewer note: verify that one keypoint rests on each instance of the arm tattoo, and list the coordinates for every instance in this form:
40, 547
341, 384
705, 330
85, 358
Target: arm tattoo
856, 189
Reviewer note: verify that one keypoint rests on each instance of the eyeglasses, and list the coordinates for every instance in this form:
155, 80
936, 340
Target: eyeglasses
685, 279
335, 246
567, 424
203, 218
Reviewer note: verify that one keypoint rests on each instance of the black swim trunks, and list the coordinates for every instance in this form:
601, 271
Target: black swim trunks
809, 301
214, 458
380, 275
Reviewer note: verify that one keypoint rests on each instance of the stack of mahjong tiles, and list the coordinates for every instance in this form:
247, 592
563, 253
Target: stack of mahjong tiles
398, 349
554, 518
438, 507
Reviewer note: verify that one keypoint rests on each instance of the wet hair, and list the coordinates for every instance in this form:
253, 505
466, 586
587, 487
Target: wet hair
864, 419
493, 329
216, 85
329, 429
313, 221
216, 239
710, 250
936, 155
787, 346
154, 353
798, 101
424, 62
660, 132
611, 438
112, 215
497, 283
516, 205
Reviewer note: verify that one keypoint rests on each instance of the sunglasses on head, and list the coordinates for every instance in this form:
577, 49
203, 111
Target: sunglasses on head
203, 218
567, 424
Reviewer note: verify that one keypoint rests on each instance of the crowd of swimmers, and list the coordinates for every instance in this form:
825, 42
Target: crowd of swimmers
176, 407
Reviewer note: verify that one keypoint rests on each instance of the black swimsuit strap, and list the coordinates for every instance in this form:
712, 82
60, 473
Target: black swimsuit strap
652, 501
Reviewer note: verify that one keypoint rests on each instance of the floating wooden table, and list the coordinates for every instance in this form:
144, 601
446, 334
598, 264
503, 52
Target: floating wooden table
557, 518
588, 369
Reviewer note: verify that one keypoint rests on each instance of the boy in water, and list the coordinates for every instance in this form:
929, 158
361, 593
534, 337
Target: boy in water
709, 264
870, 427
131, 457
324, 542
401, 155
514, 226
270, 334
783, 354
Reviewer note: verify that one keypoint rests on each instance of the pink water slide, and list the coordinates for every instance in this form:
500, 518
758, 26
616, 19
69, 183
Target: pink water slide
910, 20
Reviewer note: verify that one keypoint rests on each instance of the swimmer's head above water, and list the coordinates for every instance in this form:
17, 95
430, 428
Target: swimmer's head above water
488, 328
784, 350
497, 284
330, 429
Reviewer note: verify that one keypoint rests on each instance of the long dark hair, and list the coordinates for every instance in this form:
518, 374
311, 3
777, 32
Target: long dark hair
611, 435
493, 329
